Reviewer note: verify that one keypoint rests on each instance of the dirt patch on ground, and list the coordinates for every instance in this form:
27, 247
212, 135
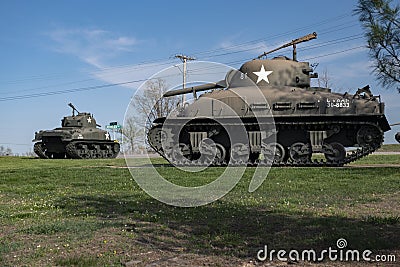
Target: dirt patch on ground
383, 206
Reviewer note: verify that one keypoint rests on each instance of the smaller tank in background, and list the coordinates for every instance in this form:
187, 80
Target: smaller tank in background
397, 135
77, 138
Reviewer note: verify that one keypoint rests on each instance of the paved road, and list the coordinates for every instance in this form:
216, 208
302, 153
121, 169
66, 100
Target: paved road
137, 156
386, 153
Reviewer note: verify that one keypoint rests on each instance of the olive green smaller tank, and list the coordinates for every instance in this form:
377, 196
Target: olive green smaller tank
77, 138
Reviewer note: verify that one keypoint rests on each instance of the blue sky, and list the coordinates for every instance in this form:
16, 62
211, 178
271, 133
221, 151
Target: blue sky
59, 49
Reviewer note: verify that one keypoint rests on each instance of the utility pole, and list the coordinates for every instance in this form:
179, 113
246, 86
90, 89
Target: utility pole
184, 59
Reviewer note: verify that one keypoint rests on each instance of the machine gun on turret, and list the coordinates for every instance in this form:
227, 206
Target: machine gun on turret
73, 109
293, 43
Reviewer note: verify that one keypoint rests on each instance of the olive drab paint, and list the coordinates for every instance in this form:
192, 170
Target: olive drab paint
304, 120
78, 137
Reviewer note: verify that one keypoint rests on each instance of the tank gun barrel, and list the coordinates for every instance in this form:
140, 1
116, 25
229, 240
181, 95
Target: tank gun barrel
73, 109
293, 43
194, 89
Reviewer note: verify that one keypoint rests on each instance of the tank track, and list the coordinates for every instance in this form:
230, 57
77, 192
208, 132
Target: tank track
92, 150
83, 150
38, 149
352, 156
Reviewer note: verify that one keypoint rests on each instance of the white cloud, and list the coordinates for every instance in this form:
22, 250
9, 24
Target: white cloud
123, 43
93, 46
122, 74
97, 47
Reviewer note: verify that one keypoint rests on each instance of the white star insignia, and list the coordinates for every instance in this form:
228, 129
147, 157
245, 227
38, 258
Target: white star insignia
89, 120
107, 136
262, 74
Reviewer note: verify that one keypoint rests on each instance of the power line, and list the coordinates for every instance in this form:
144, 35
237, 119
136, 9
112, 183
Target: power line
136, 81
157, 61
80, 89
280, 35
67, 91
131, 68
337, 52
304, 48
206, 55
97, 71
129, 82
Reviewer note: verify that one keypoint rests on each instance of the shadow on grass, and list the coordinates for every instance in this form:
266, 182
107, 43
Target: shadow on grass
231, 230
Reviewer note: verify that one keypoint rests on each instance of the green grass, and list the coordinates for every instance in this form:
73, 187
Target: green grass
377, 159
89, 213
390, 148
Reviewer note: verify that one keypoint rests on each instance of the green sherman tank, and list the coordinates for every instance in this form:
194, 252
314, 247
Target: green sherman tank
77, 138
304, 120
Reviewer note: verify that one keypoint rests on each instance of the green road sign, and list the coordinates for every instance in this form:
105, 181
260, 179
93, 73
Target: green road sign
114, 126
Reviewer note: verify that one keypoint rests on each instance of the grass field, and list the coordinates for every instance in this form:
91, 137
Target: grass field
390, 148
92, 213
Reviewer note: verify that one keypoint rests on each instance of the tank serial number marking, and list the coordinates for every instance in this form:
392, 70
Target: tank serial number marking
338, 103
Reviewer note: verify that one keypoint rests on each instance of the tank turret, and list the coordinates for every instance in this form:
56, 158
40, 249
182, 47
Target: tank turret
272, 98
280, 71
78, 137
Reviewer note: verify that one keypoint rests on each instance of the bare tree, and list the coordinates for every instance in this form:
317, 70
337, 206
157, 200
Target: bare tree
30, 154
381, 22
5, 151
324, 80
132, 134
149, 104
